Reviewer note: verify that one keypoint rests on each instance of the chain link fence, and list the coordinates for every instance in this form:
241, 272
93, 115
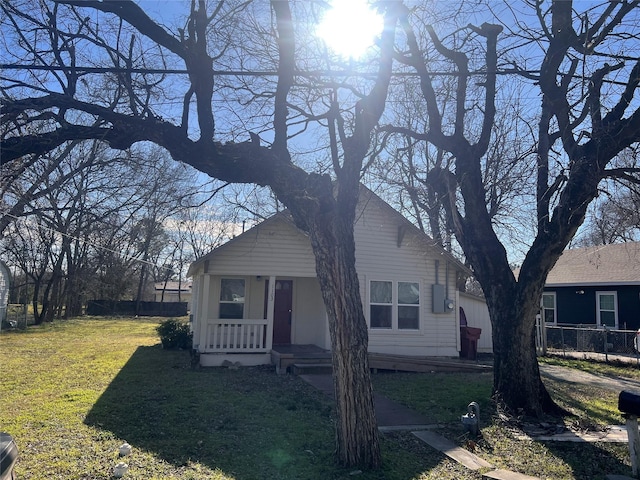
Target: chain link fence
17, 317
581, 338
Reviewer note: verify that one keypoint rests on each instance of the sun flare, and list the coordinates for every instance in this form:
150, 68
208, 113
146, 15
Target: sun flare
350, 27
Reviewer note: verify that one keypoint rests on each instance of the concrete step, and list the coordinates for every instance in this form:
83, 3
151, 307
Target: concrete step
311, 368
453, 451
506, 475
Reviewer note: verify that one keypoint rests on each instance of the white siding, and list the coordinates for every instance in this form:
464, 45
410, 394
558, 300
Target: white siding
254, 296
273, 248
309, 324
477, 313
378, 257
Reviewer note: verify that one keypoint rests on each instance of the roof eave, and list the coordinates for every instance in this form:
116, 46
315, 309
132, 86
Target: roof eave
593, 284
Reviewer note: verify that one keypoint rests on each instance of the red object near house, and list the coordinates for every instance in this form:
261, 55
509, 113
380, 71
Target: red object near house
469, 337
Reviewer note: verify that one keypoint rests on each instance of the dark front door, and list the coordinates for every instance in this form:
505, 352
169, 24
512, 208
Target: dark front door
282, 312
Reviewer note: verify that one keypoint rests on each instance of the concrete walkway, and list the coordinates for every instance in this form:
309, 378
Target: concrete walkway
390, 415
393, 416
571, 375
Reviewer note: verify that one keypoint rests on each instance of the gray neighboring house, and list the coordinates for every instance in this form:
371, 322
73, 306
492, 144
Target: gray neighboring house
595, 286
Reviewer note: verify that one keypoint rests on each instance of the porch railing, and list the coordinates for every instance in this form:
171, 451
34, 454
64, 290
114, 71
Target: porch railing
236, 336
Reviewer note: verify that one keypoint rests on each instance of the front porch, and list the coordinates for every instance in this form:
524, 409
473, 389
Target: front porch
245, 345
238, 319
246, 342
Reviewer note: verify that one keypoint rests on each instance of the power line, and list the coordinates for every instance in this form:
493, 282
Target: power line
530, 74
247, 73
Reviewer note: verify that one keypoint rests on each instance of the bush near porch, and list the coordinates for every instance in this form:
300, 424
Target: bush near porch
73, 391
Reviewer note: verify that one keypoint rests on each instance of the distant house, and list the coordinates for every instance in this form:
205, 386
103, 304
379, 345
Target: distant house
259, 291
595, 286
173, 292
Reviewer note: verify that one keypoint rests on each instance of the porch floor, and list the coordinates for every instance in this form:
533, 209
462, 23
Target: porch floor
285, 357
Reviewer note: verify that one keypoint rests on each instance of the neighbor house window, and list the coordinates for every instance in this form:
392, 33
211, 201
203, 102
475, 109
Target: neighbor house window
381, 304
607, 312
394, 305
232, 298
549, 307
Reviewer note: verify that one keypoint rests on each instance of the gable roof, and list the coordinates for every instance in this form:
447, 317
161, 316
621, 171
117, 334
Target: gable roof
613, 264
282, 216
366, 196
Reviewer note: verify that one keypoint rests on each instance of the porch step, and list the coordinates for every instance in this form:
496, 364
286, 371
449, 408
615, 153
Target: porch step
311, 368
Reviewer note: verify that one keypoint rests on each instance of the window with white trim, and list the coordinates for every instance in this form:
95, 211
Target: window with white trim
232, 298
394, 305
549, 308
408, 305
607, 309
381, 304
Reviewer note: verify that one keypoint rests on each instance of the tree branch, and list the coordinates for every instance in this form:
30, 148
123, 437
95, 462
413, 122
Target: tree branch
131, 13
286, 67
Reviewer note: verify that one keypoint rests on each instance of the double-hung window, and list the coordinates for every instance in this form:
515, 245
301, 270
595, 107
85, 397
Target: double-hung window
408, 305
232, 298
394, 305
607, 309
381, 304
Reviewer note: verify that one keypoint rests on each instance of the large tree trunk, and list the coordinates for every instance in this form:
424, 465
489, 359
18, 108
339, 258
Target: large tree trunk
517, 384
513, 305
329, 221
356, 426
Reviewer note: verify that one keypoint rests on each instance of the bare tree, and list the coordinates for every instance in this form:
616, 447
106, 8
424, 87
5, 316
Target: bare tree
30, 246
117, 102
615, 216
588, 115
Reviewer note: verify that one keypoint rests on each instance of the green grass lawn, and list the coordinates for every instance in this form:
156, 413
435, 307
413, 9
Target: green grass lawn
73, 391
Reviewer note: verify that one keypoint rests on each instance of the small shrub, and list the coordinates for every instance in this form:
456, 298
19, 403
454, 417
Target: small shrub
175, 334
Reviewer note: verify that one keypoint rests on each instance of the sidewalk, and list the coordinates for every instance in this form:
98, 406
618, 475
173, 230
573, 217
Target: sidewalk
629, 358
393, 416
571, 375
390, 415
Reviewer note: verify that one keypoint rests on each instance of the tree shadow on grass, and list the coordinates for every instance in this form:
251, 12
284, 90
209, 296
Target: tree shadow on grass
591, 408
248, 423
592, 461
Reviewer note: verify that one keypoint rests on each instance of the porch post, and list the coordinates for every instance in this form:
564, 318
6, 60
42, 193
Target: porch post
194, 317
271, 302
457, 322
204, 315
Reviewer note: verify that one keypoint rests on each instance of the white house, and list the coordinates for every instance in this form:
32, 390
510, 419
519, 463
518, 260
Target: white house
259, 292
